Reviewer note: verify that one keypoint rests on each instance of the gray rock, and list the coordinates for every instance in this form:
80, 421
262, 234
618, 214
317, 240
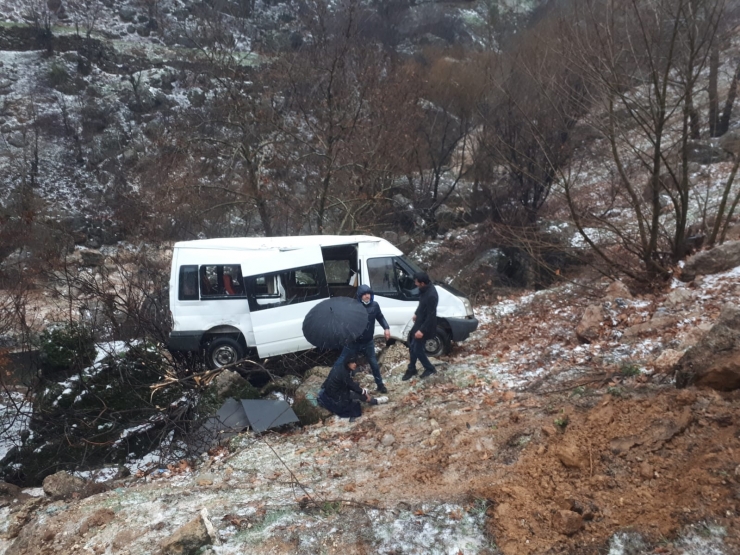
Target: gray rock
719, 259
706, 154
715, 360
17, 140
679, 298
590, 326
388, 440
187, 539
127, 14
730, 141
62, 485
91, 258
617, 290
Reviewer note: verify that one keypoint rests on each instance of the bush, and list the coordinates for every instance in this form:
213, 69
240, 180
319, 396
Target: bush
66, 348
101, 416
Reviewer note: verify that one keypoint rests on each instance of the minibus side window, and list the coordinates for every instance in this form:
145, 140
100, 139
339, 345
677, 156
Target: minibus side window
221, 281
188, 283
287, 287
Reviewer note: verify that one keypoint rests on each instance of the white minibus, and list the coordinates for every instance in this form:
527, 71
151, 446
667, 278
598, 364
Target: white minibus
249, 295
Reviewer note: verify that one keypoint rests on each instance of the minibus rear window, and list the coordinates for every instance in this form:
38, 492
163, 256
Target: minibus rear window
188, 283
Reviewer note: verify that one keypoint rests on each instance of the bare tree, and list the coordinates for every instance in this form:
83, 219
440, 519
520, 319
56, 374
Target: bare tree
643, 61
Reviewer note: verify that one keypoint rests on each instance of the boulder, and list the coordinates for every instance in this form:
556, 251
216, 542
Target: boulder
658, 322
720, 258
309, 389
590, 325
91, 257
730, 141
703, 153
63, 485
187, 539
667, 360
715, 361
679, 298
617, 290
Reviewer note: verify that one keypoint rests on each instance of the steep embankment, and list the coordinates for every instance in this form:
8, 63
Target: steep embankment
526, 442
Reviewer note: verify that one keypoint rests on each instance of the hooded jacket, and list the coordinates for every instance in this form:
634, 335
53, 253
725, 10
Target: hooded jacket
373, 314
426, 312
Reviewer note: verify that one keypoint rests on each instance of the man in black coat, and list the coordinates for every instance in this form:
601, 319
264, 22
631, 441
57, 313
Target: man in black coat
340, 394
425, 325
364, 344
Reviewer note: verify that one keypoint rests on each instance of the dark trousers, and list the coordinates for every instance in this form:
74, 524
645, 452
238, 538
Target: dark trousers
417, 352
344, 408
368, 350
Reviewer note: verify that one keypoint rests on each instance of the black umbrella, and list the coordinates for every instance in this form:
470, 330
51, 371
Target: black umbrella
335, 322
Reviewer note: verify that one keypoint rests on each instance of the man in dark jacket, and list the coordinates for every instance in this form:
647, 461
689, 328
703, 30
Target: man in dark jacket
364, 344
425, 325
340, 394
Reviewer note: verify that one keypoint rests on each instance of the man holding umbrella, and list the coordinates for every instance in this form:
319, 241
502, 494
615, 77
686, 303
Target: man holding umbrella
364, 344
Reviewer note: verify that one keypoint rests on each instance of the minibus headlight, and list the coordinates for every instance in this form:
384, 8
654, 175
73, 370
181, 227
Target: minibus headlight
468, 306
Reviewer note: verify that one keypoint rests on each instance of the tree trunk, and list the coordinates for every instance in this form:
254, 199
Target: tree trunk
724, 123
713, 97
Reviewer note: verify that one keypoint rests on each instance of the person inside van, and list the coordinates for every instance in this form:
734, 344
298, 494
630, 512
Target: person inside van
341, 395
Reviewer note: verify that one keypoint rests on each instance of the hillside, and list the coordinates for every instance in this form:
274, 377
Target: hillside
526, 442
584, 200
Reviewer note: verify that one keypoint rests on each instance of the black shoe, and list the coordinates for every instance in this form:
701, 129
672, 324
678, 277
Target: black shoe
382, 389
374, 401
428, 373
408, 375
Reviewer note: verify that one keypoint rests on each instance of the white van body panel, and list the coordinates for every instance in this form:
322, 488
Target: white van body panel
278, 330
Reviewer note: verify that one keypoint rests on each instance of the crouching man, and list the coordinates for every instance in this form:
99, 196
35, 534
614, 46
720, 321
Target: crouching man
341, 395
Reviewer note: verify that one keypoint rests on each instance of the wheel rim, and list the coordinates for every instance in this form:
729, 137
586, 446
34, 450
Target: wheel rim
224, 355
432, 345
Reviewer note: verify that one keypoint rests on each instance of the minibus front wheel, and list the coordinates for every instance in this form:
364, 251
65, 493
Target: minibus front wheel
222, 351
438, 344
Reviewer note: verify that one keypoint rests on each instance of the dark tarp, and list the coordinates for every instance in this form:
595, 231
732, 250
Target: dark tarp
236, 415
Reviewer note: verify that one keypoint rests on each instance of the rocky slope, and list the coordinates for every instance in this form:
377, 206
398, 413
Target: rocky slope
528, 441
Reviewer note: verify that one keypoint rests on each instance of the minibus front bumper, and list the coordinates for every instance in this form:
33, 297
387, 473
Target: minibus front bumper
184, 340
461, 328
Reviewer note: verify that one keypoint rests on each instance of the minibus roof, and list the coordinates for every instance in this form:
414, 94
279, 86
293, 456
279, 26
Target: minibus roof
279, 243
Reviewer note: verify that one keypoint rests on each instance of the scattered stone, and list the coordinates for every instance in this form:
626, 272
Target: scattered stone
388, 440
617, 290
63, 485
590, 325
9, 490
679, 298
91, 258
571, 456
646, 470
567, 522
667, 360
187, 539
656, 323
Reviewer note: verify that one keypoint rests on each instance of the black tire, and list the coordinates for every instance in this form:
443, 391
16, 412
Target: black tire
222, 351
438, 344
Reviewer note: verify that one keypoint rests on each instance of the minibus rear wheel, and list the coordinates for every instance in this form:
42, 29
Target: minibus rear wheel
222, 351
